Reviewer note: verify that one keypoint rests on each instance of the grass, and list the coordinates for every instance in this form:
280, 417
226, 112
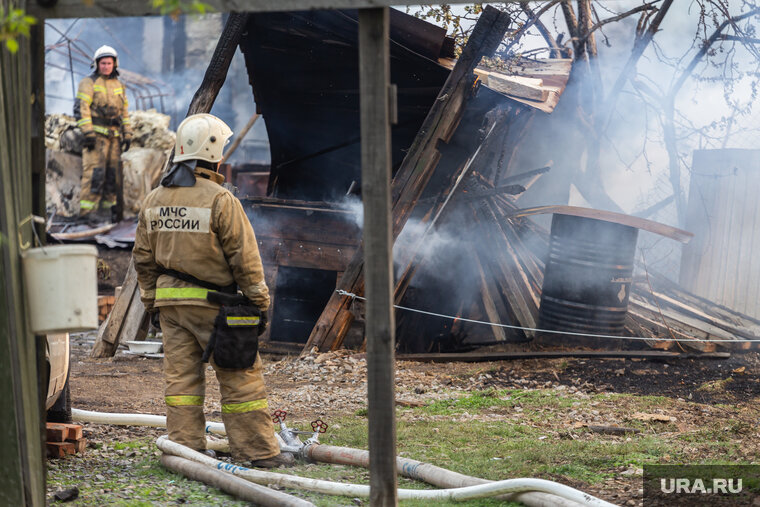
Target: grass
492, 434
715, 386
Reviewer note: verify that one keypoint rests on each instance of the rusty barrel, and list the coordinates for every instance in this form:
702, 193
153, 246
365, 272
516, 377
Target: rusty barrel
588, 275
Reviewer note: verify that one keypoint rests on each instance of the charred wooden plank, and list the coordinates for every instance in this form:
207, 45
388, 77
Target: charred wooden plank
108, 334
216, 72
697, 313
685, 335
305, 254
640, 325
547, 354
493, 305
701, 327
610, 216
516, 287
662, 284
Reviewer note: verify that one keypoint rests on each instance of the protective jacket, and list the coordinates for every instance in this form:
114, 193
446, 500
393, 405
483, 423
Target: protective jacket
202, 231
103, 106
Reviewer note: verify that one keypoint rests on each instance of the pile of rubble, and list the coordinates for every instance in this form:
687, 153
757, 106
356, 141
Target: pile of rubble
143, 163
325, 381
150, 129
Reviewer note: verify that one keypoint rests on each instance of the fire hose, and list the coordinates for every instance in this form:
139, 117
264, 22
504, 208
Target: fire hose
458, 487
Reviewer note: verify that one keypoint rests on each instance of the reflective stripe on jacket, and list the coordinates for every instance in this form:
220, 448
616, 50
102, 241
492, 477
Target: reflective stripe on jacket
202, 231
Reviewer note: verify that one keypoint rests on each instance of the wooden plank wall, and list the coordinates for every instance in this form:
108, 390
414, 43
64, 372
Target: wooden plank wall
724, 214
22, 479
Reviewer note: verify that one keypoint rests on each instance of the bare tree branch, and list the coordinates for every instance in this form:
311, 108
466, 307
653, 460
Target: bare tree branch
584, 27
572, 23
669, 131
535, 18
736, 38
646, 7
630, 66
705, 48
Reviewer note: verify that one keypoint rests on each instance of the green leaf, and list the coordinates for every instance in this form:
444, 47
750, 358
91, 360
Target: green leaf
12, 45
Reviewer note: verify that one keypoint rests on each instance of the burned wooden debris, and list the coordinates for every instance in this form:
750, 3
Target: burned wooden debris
455, 174
412, 178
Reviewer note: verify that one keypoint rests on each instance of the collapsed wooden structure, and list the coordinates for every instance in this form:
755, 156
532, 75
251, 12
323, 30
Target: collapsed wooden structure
455, 175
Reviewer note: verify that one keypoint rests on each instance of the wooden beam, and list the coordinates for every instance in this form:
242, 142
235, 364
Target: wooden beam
304, 254
109, 333
470, 357
524, 87
374, 83
118, 8
216, 72
491, 302
416, 169
22, 481
610, 216
39, 194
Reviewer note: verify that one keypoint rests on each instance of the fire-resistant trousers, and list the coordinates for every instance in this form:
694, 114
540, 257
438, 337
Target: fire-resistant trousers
100, 174
245, 413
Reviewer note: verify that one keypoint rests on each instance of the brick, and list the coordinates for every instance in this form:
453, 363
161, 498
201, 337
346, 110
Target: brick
60, 449
55, 432
58, 432
74, 432
81, 445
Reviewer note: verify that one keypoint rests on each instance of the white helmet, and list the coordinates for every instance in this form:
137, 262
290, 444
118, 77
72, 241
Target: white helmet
104, 51
201, 137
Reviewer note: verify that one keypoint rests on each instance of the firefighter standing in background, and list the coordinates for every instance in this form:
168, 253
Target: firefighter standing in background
193, 238
104, 121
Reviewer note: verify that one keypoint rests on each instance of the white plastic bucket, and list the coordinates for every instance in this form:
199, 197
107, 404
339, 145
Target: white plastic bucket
61, 288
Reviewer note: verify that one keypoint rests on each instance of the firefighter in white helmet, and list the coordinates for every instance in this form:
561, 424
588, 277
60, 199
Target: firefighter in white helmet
101, 108
194, 248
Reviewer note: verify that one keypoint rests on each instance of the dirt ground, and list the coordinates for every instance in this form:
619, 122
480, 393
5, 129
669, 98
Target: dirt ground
335, 383
97, 383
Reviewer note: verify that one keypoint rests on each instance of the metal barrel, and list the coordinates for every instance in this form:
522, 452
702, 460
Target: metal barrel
588, 275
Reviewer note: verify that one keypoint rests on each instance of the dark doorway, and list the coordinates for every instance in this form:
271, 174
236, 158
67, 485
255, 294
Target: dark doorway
300, 296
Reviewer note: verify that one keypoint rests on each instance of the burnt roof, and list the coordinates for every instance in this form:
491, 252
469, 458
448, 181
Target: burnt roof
303, 68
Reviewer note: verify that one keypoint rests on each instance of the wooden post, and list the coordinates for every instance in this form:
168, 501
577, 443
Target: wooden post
39, 165
374, 79
217, 69
22, 479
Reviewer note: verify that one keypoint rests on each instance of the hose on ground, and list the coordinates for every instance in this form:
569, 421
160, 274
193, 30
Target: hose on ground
532, 492
431, 474
331, 488
235, 486
121, 419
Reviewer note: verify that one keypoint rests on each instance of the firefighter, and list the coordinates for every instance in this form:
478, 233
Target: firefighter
194, 241
102, 110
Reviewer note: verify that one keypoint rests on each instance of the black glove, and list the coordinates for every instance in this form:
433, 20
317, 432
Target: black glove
155, 321
89, 141
126, 144
263, 320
